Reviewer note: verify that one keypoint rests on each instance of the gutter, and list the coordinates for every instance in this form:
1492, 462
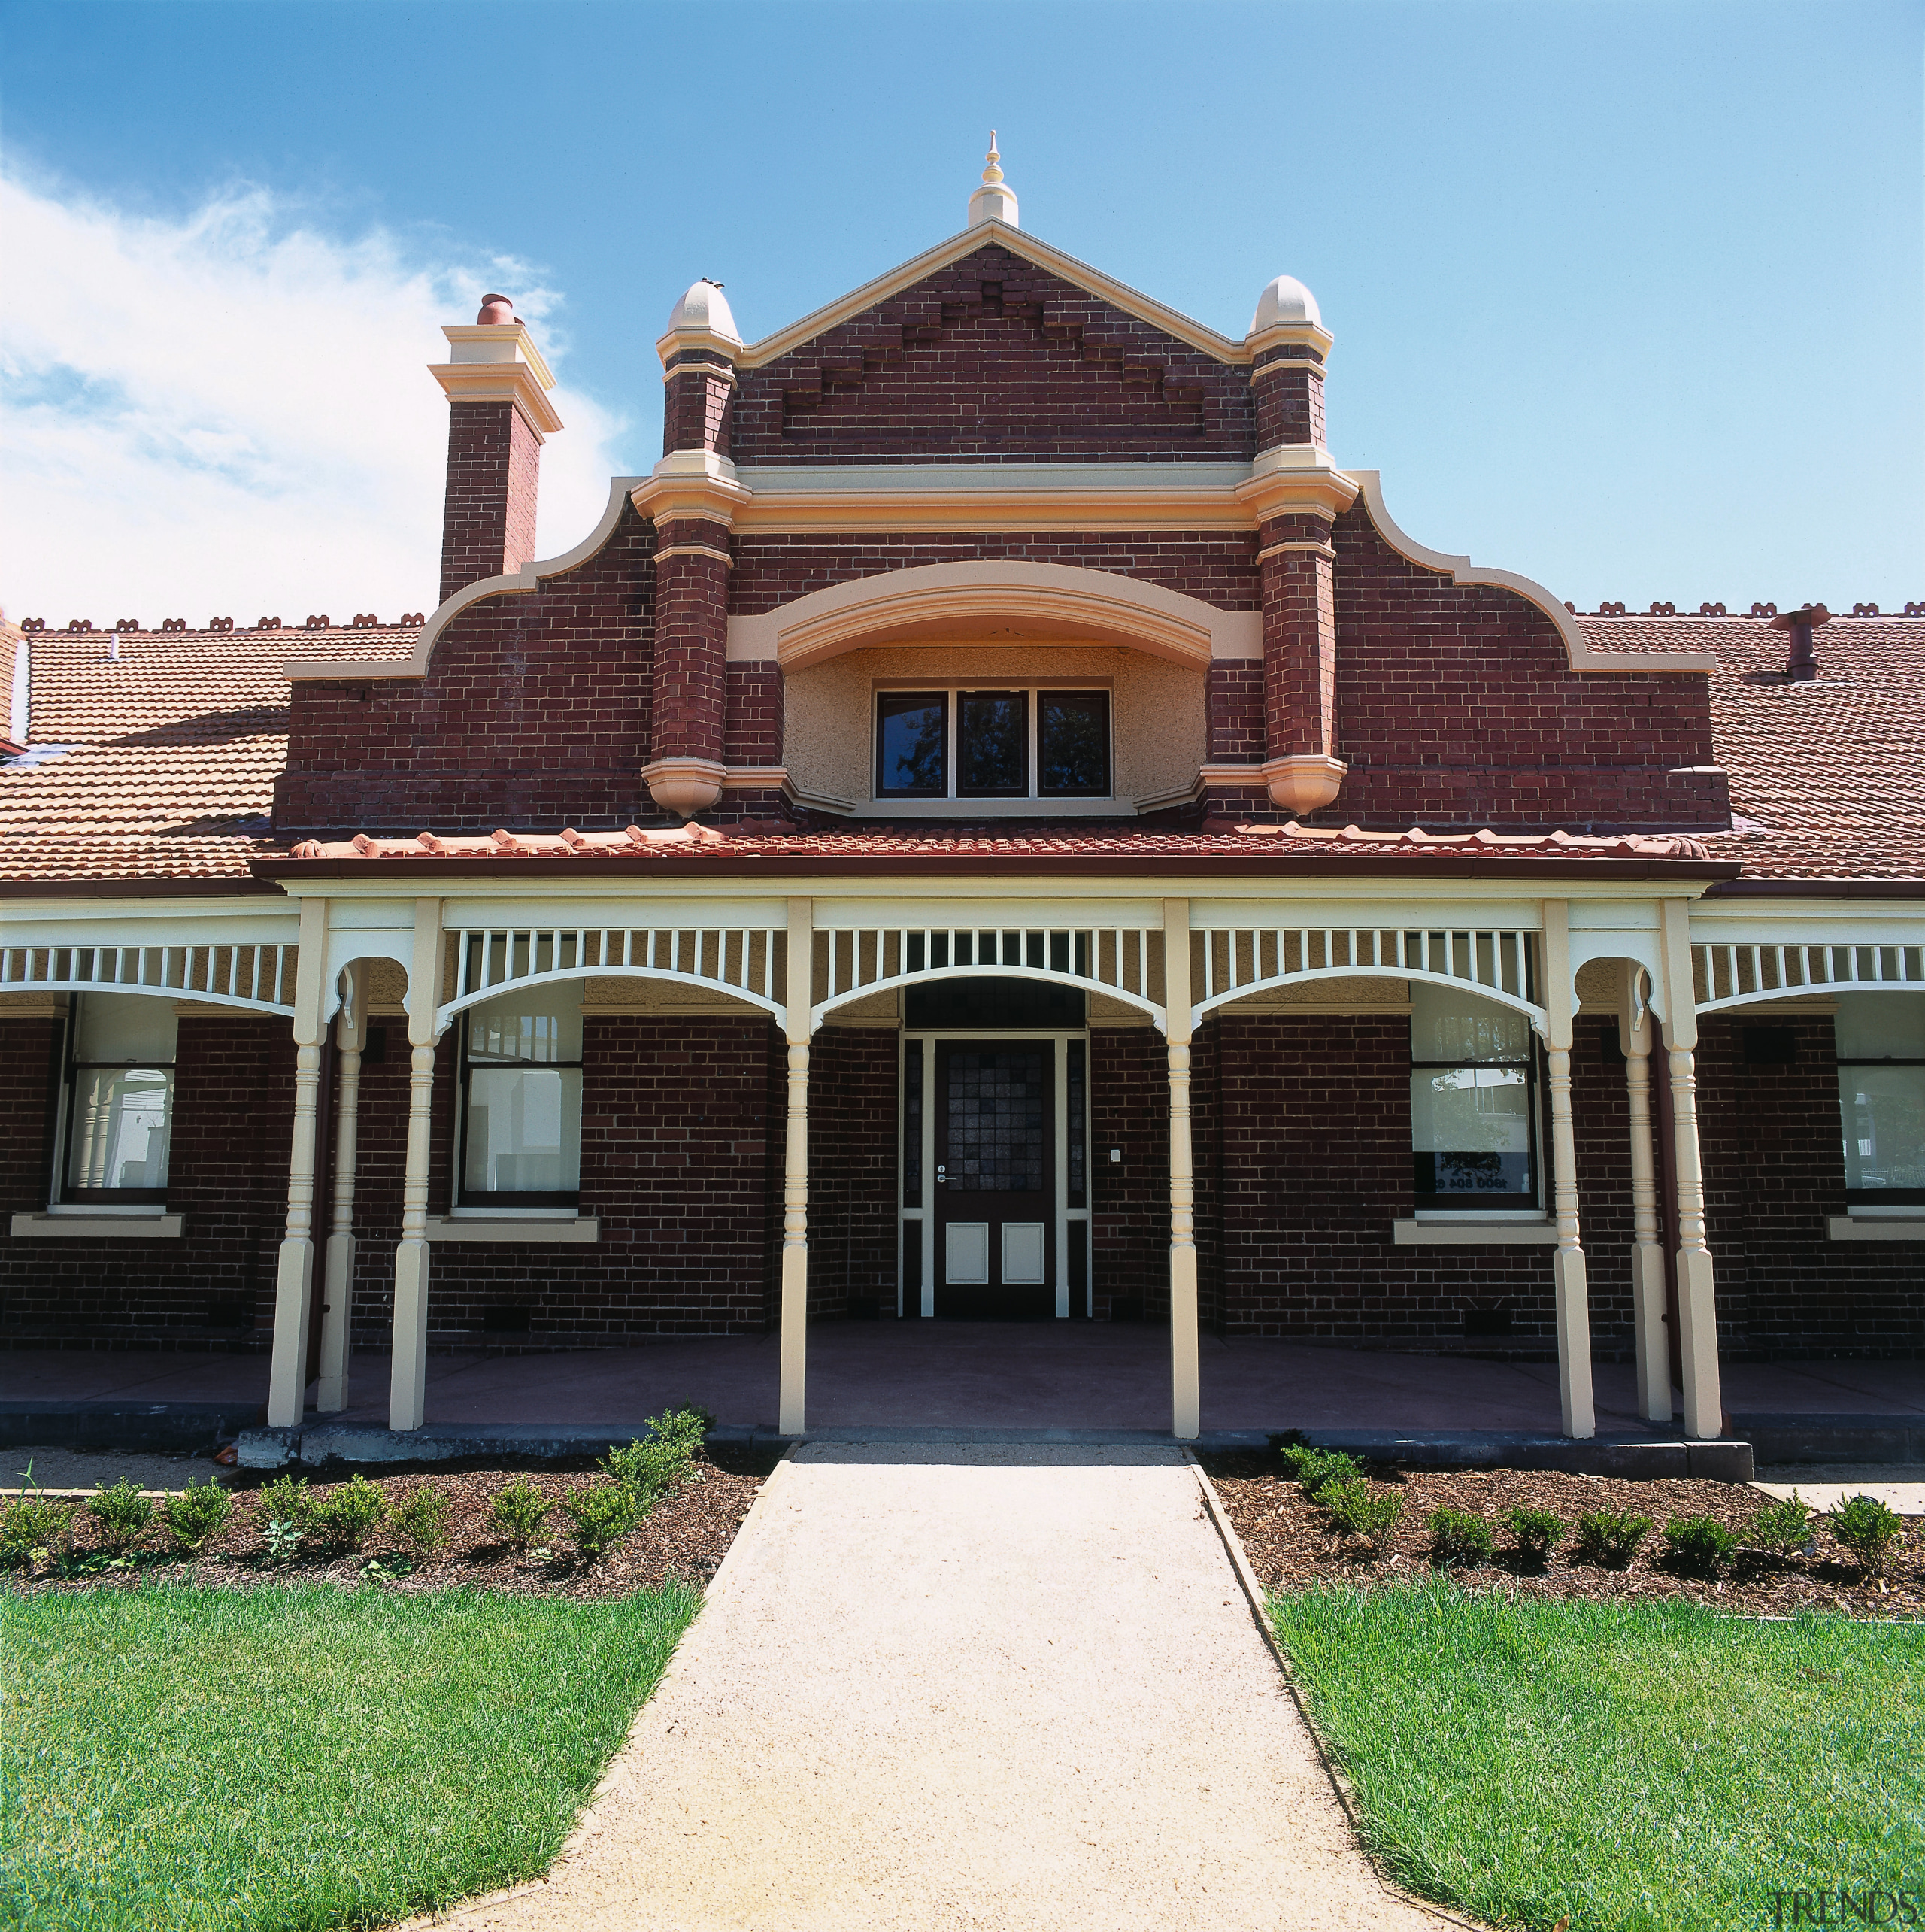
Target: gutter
1162, 865
1775, 888
257, 887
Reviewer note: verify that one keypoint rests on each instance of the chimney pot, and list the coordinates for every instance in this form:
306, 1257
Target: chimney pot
495, 309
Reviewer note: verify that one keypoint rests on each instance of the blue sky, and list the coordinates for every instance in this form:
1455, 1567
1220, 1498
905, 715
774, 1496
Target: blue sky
1629, 297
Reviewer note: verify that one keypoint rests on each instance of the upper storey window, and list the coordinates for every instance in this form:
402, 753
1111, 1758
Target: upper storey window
1035, 742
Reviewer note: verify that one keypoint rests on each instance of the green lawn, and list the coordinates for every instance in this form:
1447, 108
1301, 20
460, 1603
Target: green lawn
1652, 1766
310, 1757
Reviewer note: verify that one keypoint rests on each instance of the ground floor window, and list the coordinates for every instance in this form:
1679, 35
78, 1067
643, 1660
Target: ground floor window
119, 1114
521, 1101
1473, 1134
1881, 1097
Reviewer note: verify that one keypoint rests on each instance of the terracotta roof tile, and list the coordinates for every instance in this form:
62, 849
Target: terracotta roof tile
176, 746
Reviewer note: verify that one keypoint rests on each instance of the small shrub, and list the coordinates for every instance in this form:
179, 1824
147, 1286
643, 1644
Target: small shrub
1357, 1510
602, 1515
422, 1517
346, 1518
1700, 1544
122, 1512
287, 1499
1784, 1526
519, 1512
33, 1525
650, 1469
1868, 1529
1458, 1536
192, 1515
1316, 1468
1536, 1533
283, 1539
1609, 1537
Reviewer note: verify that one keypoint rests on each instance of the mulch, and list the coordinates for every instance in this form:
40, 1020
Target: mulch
686, 1534
1292, 1546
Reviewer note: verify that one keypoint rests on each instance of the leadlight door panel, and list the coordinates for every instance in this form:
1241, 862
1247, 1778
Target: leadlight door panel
994, 1170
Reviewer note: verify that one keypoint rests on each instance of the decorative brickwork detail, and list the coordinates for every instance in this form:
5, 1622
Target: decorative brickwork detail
1219, 567
534, 712
1456, 706
1236, 711
752, 727
488, 520
993, 359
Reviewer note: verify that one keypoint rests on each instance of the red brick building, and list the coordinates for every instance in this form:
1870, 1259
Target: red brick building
998, 823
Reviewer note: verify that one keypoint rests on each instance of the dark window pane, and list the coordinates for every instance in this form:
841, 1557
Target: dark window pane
997, 1145
995, 1002
1073, 744
911, 729
912, 1124
1078, 1181
992, 749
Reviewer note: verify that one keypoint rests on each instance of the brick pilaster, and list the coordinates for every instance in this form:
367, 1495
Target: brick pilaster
699, 388
1299, 637
691, 639
1288, 386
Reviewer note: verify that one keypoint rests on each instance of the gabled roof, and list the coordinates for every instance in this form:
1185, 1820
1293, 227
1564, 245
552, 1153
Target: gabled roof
1018, 241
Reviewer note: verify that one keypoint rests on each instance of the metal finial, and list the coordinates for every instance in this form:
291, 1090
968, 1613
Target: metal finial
992, 174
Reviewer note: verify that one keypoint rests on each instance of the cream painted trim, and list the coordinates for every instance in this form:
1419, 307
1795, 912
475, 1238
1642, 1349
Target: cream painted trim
694, 550
43, 1005
512, 1227
500, 382
1232, 774
1847, 1227
1474, 1234
497, 342
1004, 807
720, 372
1579, 653
1040, 254
1301, 365
99, 1227
1316, 549
1086, 606
528, 577
791, 499
755, 777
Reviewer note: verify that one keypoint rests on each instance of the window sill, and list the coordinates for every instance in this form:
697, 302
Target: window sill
147, 1227
1860, 1227
1468, 1233
999, 808
515, 1227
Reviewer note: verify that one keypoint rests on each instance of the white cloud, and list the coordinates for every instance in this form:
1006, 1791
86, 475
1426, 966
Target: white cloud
231, 415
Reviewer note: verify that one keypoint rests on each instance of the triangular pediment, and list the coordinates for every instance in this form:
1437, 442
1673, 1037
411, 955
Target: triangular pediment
1027, 247
985, 351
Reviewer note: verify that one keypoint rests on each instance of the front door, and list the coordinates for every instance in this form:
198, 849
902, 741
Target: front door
994, 1170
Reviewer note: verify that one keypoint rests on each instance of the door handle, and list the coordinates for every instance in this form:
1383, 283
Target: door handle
941, 1177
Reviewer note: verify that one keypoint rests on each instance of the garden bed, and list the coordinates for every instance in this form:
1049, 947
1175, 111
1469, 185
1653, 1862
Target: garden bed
685, 1535
1292, 1546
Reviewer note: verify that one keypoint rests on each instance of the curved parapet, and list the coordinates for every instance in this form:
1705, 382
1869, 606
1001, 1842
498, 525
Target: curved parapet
1582, 655
528, 577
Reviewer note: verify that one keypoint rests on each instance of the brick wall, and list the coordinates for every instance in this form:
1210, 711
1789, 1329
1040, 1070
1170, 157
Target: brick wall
752, 726
852, 1094
1218, 567
1235, 701
213, 1287
1456, 706
535, 712
1774, 1172
1129, 1200
993, 359
488, 513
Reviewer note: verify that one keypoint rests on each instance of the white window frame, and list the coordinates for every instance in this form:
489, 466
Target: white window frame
949, 803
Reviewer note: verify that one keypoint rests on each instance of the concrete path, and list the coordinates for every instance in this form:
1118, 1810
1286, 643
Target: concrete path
1006, 1688
1899, 1486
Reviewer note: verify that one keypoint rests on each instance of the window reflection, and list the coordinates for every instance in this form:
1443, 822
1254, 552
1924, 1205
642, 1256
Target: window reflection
993, 744
912, 731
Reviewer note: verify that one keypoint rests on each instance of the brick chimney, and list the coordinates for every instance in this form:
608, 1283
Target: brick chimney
498, 413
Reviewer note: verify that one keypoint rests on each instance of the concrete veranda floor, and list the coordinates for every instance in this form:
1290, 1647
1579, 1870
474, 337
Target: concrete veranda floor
1113, 1376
